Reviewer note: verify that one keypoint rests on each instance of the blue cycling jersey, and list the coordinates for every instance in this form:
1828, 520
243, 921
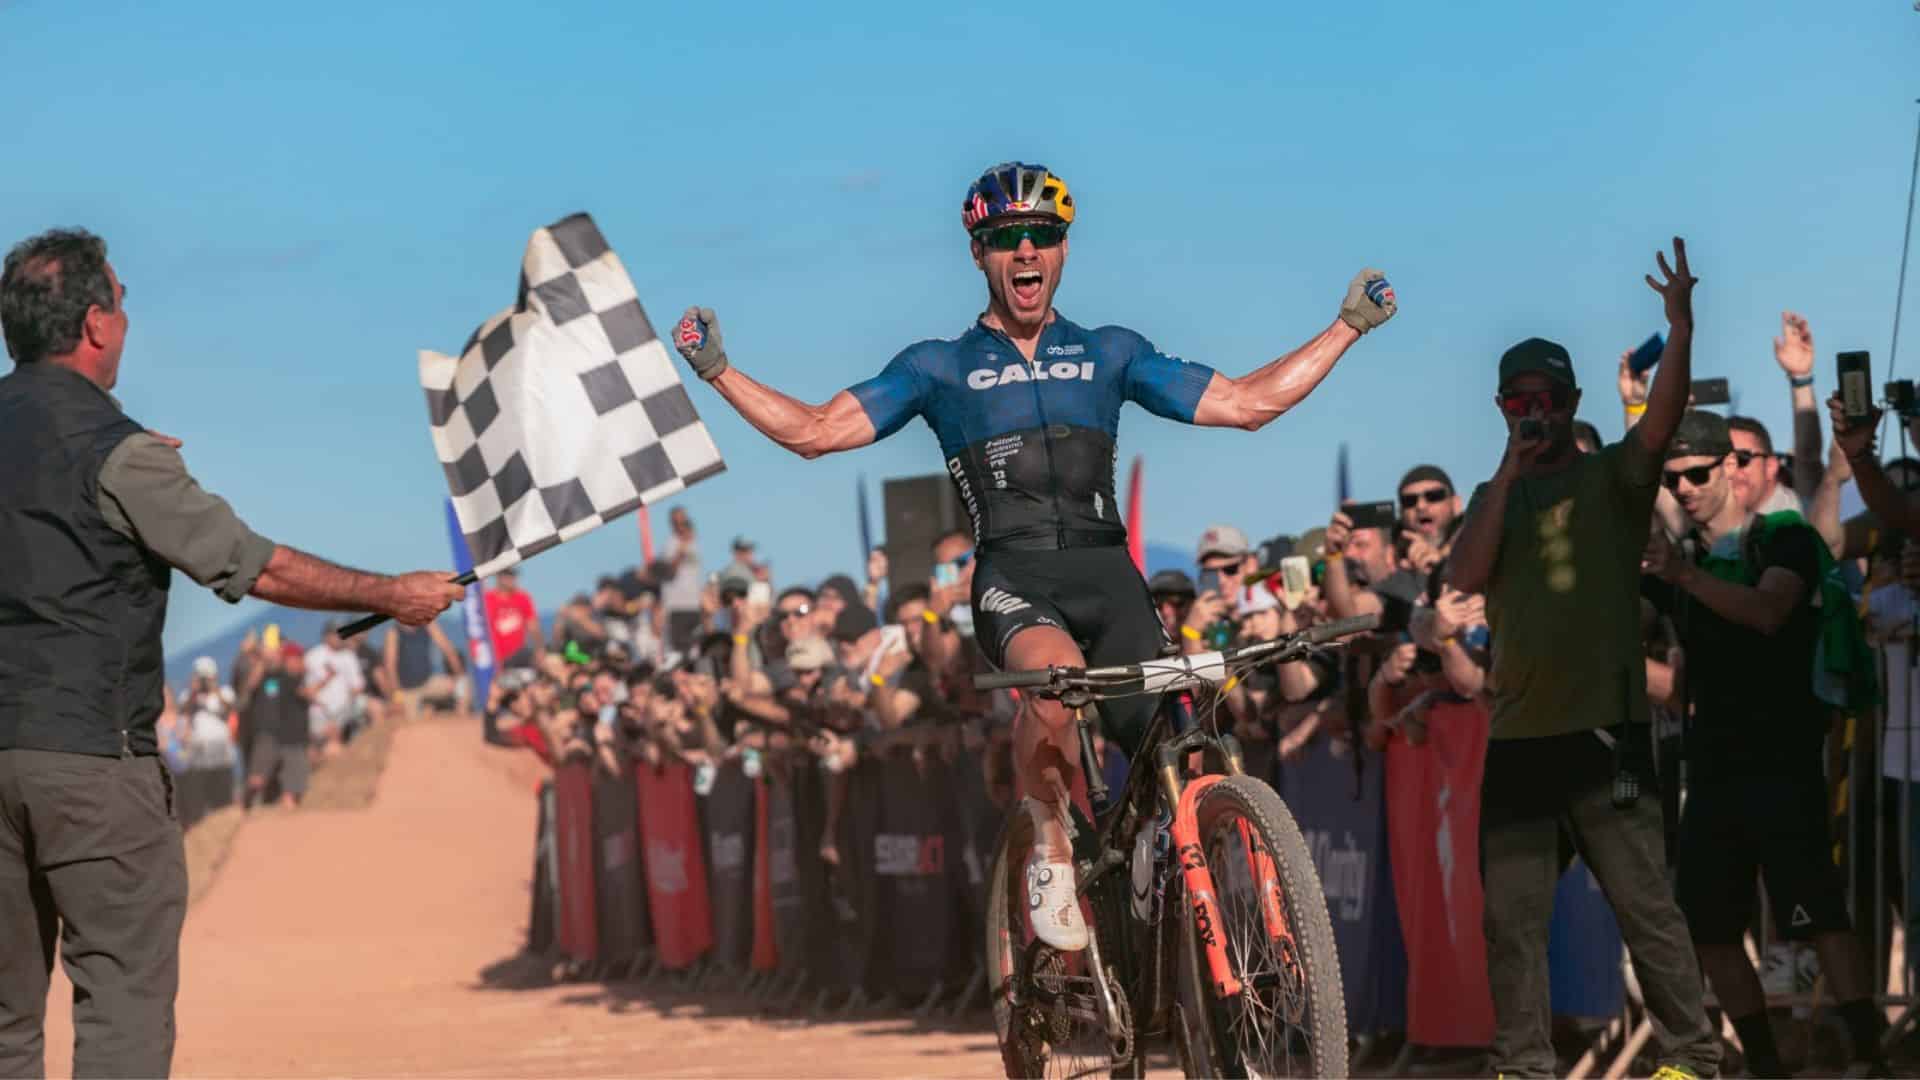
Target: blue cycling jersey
1030, 445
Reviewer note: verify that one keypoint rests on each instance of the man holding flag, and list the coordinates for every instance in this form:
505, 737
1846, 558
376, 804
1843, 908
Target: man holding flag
95, 514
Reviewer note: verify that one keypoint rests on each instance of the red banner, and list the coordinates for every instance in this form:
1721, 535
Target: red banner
1433, 826
676, 870
766, 956
573, 832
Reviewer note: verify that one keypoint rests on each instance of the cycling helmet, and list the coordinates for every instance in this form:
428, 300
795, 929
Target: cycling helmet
1016, 190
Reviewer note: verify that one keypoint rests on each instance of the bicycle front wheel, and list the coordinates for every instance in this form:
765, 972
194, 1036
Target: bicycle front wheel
1290, 1017
1044, 1008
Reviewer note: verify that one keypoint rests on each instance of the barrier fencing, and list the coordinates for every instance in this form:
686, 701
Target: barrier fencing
636, 872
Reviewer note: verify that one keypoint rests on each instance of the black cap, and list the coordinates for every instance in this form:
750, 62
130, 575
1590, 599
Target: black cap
1541, 356
854, 623
741, 543
1428, 472
1171, 581
1701, 434
843, 585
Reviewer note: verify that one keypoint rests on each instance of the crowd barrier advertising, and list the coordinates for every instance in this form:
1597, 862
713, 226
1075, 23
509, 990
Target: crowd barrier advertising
1339, 802
621, 896
1433, 812
730, 835
574, 836
676, 869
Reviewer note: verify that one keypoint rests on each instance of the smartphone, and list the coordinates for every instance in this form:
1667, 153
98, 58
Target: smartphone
1710, 392
1647, 355
946, 575
271, 639
1373, 515
760, 592
1856, 384
1209, 582
1295, 577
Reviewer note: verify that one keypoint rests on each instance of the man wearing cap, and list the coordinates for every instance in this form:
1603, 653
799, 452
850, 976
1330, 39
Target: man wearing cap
1745, 609
1554, 542
1224, 560
513, 623
1173, 595
95, 514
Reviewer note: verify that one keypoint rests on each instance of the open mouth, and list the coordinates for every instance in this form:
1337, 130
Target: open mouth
1026, 287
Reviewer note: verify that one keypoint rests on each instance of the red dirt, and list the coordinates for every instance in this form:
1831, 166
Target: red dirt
357, 943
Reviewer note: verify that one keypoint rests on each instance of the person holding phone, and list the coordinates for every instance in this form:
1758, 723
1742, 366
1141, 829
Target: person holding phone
1553, 542
1856, 434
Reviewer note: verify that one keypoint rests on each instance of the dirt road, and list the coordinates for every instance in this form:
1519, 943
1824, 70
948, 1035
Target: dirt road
359, 943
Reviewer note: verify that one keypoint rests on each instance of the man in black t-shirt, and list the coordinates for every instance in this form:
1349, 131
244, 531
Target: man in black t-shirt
275, 707
1744, 607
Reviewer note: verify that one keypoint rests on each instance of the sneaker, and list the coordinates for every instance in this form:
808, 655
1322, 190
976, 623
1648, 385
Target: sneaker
1052, 905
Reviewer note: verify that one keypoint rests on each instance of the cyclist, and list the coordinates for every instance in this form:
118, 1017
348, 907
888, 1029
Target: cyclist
1026, 405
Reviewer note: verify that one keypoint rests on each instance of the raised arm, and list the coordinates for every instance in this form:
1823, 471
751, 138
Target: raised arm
1673, 383
1793, 351
1896, 509
1252, 401
808, 430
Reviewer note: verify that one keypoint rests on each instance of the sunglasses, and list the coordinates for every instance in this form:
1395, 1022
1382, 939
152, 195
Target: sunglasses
1744, 458
1411, 499
1517, 403
1007, 237
794, 613
1697, 476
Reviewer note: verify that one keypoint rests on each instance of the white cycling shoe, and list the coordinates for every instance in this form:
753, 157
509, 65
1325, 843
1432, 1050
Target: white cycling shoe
1052, 906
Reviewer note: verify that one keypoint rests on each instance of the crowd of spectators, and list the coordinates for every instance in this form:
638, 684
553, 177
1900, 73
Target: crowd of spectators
285, 709
665, 660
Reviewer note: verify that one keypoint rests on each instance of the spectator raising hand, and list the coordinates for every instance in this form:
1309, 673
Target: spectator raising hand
1793, 349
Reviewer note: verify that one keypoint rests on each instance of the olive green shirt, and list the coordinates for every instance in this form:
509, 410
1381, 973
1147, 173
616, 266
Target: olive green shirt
148, 497
1563, 601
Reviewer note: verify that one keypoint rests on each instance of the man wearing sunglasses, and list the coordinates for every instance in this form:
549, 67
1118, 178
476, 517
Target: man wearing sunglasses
1553, 541
1746, 613
1026, 407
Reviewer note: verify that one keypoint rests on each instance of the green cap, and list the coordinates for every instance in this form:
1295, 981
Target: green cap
1701, 434
1541, 356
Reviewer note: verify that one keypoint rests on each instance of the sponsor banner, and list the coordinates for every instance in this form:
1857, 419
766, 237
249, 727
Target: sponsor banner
676, 870
766, 953
622, 894
1339, 803
574, 840
1433, 822
914, 896
730, 828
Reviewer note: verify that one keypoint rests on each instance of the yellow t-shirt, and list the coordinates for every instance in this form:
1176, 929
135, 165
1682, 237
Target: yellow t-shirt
1563, 602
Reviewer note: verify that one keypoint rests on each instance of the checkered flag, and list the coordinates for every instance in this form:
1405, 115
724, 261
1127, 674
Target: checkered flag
564, 411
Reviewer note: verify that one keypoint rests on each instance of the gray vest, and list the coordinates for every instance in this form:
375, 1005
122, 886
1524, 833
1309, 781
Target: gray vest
81, 607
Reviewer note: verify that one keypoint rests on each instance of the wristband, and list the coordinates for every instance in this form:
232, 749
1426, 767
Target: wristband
1638, 409
877, 681
1189, 633
1335, 556
1798, 381
931, 618
739, 639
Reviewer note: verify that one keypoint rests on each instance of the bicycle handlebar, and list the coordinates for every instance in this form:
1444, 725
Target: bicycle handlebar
1316, 635
1012, 680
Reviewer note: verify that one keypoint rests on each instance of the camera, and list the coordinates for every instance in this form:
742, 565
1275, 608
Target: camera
1901, 399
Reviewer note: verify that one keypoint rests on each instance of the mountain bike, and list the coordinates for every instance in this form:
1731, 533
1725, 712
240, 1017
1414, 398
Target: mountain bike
1207, 920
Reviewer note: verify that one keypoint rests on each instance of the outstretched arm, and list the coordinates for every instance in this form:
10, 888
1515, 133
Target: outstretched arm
808, 430
1251, 401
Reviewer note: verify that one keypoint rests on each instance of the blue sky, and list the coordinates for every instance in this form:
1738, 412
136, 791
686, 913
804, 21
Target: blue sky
300, 197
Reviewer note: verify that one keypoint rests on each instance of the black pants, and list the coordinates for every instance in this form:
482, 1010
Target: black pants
90, 856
